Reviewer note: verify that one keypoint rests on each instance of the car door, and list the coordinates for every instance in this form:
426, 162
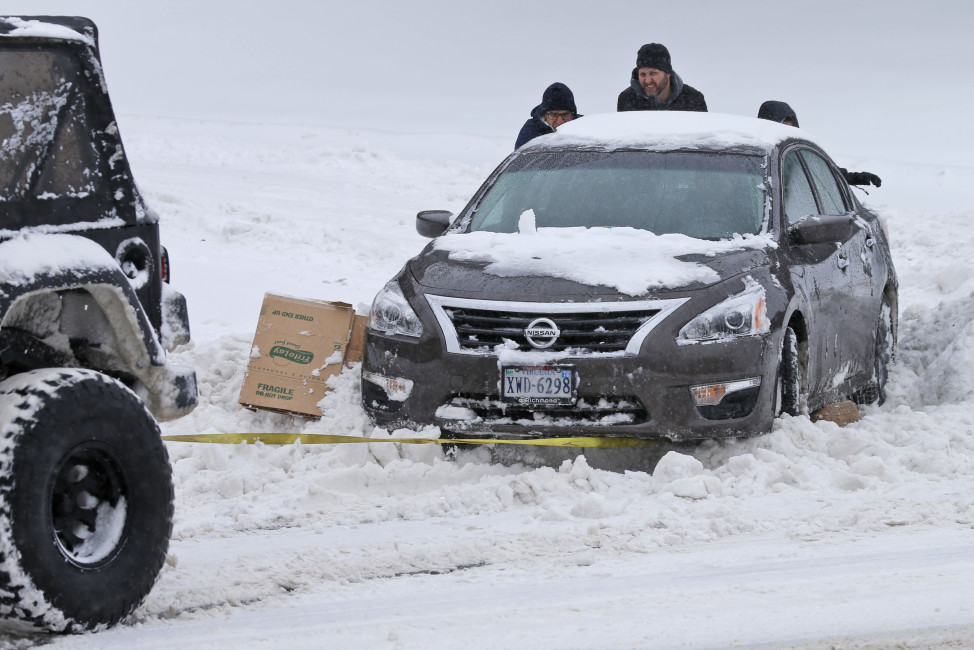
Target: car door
860, 287
828, 270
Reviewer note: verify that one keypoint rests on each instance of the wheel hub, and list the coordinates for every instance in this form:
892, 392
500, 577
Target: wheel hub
88, 507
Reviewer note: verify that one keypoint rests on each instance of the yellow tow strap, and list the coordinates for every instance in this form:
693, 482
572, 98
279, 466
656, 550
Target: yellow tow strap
322, 439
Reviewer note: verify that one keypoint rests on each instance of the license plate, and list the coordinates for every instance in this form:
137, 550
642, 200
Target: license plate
538, 385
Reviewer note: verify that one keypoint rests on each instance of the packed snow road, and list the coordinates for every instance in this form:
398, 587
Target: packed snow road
812, 536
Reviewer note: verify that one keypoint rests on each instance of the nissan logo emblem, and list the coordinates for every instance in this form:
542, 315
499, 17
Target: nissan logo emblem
541, 333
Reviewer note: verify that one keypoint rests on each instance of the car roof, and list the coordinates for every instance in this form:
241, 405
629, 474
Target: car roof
668, 131
55, 28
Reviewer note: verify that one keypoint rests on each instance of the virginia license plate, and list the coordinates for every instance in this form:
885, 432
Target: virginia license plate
538, 385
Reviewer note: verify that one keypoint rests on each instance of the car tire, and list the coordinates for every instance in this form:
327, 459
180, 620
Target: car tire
875, 391
86, 501
790, 392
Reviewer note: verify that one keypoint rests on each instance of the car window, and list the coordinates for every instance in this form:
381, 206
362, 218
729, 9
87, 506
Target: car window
701, 194
47, 156
799, 201
833, 201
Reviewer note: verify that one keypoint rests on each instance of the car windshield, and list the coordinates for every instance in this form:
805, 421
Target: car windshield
704, 195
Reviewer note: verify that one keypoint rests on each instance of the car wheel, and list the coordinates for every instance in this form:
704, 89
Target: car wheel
790, 392
86, 501
875, 391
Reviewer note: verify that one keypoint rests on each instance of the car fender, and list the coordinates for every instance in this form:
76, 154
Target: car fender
26, 270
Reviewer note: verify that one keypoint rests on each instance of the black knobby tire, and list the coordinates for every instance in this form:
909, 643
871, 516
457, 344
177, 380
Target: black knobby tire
86, 501
790, 391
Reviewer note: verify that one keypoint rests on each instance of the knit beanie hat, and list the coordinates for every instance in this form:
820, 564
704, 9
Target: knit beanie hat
558, 97
654, 55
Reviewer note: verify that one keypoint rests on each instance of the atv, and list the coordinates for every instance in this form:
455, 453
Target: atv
86, 318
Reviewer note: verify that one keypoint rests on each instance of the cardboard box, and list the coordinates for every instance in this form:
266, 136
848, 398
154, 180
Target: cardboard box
842, 413
356, 341
298, 345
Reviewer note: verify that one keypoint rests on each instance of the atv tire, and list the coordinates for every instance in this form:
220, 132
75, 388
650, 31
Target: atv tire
86, 501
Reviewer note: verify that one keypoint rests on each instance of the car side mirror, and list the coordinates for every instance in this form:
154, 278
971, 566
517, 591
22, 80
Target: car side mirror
433, 223
823, 229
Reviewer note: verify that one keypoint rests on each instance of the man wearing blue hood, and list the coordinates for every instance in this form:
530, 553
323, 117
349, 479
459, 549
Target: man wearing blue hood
784, 114
655, 87
557, 107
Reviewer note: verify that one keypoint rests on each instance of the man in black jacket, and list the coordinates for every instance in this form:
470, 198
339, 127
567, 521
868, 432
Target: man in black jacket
655, 87
557, 107
781, 112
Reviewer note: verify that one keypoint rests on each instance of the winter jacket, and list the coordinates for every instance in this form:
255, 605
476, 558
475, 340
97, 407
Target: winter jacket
682, 97
533, 127
556, 97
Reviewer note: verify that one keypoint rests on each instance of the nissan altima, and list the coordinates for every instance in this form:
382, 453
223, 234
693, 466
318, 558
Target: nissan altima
647, 274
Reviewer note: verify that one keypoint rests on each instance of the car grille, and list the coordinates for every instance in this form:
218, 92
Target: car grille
602, 411
595, 332
614, 328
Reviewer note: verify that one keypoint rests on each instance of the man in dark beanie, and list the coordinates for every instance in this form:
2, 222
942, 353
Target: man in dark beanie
655, 87
557, 107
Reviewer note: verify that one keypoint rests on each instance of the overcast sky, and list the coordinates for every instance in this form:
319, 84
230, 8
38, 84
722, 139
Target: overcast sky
868, 76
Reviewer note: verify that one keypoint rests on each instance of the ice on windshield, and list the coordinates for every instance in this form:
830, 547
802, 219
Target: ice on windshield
46, 151
702, 195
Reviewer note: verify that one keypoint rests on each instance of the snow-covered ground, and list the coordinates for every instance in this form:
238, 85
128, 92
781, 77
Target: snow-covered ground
812, 536
331, 124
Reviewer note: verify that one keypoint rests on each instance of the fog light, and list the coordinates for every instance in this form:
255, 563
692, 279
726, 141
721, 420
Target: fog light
712, 394
396, 388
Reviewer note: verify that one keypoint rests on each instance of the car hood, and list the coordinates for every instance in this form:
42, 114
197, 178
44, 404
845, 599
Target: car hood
504, 266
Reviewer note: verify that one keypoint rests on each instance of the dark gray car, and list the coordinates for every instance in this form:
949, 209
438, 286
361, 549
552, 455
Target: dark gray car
650, 275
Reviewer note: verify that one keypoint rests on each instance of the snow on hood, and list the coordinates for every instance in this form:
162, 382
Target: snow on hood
666, 130
39, 29
630, 260
24, 258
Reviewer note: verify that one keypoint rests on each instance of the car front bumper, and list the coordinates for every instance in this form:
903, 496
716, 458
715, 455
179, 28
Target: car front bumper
648, 395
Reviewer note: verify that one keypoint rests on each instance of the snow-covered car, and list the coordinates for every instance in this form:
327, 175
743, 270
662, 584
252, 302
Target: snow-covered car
86, 318
647, 274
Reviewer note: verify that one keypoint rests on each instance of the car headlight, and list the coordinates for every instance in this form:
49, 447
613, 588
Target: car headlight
743, 314
391, 313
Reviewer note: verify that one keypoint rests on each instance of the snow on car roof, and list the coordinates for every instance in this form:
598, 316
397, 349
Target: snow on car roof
665, 130
54, 28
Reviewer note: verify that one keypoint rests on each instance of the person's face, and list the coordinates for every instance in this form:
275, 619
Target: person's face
655, 82
788, 121
557, 118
